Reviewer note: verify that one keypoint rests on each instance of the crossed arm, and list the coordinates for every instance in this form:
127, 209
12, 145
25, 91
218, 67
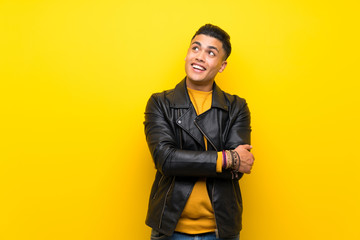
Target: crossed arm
169, 159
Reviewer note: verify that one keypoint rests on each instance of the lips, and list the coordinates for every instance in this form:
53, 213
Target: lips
198, 67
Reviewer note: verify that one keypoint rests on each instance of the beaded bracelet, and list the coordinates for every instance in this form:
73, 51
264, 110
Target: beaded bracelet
231, 160
224, 159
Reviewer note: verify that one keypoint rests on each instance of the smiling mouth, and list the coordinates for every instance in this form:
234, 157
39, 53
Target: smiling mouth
198, 67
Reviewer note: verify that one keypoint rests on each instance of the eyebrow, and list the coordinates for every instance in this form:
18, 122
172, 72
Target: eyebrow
211, 47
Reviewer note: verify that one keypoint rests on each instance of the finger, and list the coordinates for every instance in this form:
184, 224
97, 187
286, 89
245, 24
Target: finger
247, 146
244, 145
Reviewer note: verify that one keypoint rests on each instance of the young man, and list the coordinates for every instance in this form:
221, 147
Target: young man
199, 140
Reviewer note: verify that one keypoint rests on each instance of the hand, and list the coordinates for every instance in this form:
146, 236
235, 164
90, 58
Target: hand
246, 158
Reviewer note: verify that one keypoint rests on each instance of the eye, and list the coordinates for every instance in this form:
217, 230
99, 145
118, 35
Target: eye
195, 48
211, 53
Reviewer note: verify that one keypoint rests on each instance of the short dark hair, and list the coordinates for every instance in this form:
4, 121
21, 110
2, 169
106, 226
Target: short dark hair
218, 33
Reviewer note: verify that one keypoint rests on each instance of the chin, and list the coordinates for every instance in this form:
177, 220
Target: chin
195, 80
195, 77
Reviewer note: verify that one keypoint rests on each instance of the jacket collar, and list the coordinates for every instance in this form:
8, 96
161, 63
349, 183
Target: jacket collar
181, 97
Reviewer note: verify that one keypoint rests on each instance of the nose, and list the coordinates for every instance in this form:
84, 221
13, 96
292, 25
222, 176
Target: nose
200, 56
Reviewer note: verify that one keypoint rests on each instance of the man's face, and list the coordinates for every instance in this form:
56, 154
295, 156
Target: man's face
204, 59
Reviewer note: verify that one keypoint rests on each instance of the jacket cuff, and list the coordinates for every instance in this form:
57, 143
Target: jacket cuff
219, 162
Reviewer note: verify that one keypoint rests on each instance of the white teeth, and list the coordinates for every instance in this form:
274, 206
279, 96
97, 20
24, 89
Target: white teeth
198, 67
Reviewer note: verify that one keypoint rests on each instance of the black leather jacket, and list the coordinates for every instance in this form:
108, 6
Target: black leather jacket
174, 134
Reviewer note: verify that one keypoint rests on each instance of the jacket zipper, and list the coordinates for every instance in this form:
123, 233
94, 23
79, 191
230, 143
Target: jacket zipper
212, 194
163, 209
212, 201
157, 189
205, 135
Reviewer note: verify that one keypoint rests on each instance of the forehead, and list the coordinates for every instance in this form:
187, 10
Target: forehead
208, 41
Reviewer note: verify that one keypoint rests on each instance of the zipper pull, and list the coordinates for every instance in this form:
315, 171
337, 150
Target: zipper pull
217, 233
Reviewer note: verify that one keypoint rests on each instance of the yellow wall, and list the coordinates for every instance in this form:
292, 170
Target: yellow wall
75, 77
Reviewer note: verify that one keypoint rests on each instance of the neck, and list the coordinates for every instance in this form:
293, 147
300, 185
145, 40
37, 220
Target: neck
200, 86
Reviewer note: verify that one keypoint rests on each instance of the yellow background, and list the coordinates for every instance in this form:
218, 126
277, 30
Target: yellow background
75, 78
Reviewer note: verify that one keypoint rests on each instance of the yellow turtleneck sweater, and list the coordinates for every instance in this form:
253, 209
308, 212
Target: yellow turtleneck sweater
198, 214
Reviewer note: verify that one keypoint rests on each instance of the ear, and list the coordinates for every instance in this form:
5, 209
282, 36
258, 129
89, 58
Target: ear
223, 65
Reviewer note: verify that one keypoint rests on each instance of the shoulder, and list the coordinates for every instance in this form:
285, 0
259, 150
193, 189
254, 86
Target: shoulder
159, 101
162, 97
234, 102
238, 109
173, 97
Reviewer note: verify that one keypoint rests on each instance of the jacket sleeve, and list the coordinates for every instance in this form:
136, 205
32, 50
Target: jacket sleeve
169, 159
239, 130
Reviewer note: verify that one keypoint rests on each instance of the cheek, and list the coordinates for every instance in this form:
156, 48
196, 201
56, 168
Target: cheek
215, 67
188, 57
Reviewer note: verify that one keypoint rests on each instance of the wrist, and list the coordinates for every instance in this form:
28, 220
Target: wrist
231, 159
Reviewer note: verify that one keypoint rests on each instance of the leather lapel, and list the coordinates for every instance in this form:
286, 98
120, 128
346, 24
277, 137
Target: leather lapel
212, 123
208, 122
186, 122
